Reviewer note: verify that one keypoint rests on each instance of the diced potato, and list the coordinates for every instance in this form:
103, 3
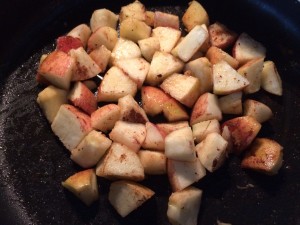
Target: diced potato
106, 36
167, 128
167, 36
134, 10
195, 15
216, 55
150, 18
105, 117
101, 56
82, 31
264, 155
162, 19
202, 129
155, 139
148, 47
220, 36
126, 196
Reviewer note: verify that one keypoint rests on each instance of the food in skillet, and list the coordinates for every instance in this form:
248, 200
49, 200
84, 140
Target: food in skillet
187, 76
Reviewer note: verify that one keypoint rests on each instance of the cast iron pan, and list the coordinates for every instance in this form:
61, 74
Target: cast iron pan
33, 162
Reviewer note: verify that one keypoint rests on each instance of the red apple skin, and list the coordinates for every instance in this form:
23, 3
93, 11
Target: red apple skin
66, 43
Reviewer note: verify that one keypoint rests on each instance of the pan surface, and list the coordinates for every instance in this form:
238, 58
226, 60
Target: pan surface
33, 162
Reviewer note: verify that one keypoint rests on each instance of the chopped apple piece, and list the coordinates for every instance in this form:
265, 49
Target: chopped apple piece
115, 85
166, 128
167, 36
57, 68
101, 56
190, 43
125, 49
150, 18
130, 134
137, 69
83, 98
83, 32
50, 99
126, 196
162, 19
148, 47
105, 117
243, 130
66, 43
227, 80
183, 174
84, 185
264, 155
202, 129
257, 110
183, 206
252, 71
246, 49
120, 162
130, 110
216, 55
184, 89
212, 151
90, 149
206, 108
86, 67
154, 139
174, 111
71, 126
195, 15
154, 163
106, 36
231, 104
134, 10
103, 18
163, 65
220, 36
270, 79
179, 145
134, 30
202, 69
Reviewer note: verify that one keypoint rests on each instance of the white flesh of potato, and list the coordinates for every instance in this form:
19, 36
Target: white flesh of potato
106, 36
148, 47
232, 103
167, 36
202, 129
50, 99
71, 126
270, 79
103, 17
258, 110
130, 134
212, 151
134, 10
154, 163
101, 56
84, 185
134, 30
82, 31
154, 138
120, 162
90, 149
105, 117
126, 196
179, 145
183, 206
191, 43
226, 79
183, 174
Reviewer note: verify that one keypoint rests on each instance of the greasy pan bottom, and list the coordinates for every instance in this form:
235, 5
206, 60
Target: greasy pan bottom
33, 162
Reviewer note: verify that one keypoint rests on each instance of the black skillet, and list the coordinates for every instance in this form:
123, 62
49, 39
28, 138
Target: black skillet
33, 162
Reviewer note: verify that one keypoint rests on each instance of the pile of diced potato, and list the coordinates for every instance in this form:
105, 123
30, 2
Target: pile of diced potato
189, 77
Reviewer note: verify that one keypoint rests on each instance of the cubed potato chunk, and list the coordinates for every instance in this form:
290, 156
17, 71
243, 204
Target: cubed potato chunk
270, 79
106, 36
103, 18
83, 32
257, 110
202, 129
216, 55
162, 19
134, 10
232, 103
105, 117
148, 47
155, 139
134, 30
154, 163
220, 36
101, 56
167, 36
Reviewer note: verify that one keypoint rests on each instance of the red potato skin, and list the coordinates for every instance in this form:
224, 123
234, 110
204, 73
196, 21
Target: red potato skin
86, 100
243, 131
85, 120
66, 43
